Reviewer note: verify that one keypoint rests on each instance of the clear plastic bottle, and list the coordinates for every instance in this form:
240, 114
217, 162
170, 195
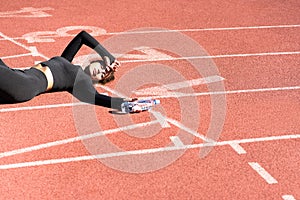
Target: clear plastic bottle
139, 105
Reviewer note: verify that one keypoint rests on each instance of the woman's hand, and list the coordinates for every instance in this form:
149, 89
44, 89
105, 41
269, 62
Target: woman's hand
111, 66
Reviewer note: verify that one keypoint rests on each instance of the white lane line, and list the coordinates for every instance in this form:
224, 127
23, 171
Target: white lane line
111, 91
32, 51
175, 86
176, 141
181, 30
144, 151
288, 197
37, 62
16, 56
261, 139
215, 56
164, 58
198, 57
74, 139
32, 12
177, 95
188, 130
3, 110
208, 29
238, 148
161, 119
151, 53
263, 173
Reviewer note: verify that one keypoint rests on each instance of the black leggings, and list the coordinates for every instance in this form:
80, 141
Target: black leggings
18, 86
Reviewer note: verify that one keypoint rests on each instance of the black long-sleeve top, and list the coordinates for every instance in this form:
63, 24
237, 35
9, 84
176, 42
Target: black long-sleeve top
22, 85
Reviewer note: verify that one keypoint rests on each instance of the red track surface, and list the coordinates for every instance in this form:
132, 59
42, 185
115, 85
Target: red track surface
223, 174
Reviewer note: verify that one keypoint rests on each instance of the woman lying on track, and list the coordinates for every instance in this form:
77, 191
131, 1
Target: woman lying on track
59, 74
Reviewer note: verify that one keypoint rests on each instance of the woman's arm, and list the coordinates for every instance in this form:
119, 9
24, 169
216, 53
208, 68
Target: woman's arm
108, 102
91, 96
84, 91
85, 38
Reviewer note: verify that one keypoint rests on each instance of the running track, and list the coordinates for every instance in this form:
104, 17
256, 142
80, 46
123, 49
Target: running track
256, 46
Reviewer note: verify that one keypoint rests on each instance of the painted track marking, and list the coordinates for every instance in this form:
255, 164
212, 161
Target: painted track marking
188, 130
176, 141
135, 152
262, 170
185, 30
179, 85
30, 49
288, 197
238, 148
183, 58
210, 29
178, 95
161, 119
218, 56
15, 109
74, 139
16, 56
263, 173
31, 12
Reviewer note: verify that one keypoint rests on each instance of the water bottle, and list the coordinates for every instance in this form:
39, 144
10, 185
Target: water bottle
139, 105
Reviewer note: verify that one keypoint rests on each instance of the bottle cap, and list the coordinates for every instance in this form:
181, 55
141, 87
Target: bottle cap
156, 101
